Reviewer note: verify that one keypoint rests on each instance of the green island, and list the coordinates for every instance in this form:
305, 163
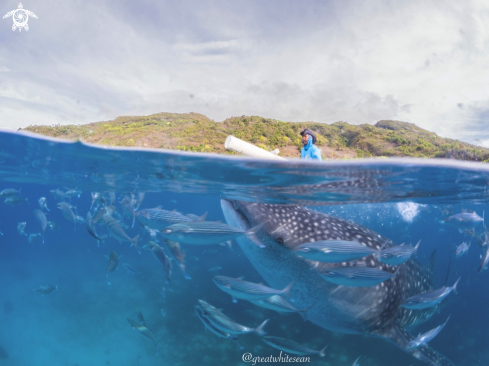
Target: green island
339, 140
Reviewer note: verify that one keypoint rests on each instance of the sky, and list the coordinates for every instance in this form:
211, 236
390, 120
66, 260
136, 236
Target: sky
424, 62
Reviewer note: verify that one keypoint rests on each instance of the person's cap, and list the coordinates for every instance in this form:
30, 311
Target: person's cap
309, 132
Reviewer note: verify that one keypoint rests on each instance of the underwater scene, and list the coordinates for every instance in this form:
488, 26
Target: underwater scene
136, 257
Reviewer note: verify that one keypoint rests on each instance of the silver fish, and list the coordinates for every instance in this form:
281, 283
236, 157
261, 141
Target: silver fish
214, 269
333, 251
59, 195
429, 298
41, 218
117, 232
66, 210
225, 324
90, 227
43, 203
484, 261
356, 276
45, 289
140, 200
9, 192
15, 200
128, 209
159, 219
465, 219
163, 259
144, 332
73, 192
209, 326
245, 290
397, 255
426, 337
177, 255
207, 232
462, 249
290, 346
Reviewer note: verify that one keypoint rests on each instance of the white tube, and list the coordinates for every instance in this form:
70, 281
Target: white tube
245, 148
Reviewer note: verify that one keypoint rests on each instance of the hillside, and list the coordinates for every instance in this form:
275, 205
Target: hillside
196, 132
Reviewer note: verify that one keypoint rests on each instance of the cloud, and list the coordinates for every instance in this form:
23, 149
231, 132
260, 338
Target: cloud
325, 61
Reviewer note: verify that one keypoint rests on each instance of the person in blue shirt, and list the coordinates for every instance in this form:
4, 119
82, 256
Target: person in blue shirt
309, 151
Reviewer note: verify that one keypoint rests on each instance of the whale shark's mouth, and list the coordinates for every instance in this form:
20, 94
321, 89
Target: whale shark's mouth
240, 219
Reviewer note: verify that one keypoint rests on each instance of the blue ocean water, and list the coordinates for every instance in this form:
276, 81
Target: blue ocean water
84, 321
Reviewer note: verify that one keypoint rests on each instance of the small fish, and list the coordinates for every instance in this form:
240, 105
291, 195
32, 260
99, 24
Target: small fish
397, 255
225, 324
173, 202
90, 227
425, 337
45, 289
43, 203
193, 259
429, 298
245, 290
208, 325
356, 276
484, 261
210, 251
178, 256
163, 312
66, 210
139, 313
214, 269
128, 209
59, 195
465, 219
113, 261
207, 233
15, 200
117, 232
462, 249
143, 331
163, 259
9, 192
73, 192
159, 219
139, 200
333, 251
290, 346
96, 196
21, 228
43, 221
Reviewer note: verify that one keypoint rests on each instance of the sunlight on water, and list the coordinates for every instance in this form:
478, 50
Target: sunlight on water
87, 276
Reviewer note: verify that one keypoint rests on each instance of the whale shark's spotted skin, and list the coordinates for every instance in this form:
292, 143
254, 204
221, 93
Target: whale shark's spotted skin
372, 310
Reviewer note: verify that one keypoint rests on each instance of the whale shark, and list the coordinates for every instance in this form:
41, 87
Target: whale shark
373, 311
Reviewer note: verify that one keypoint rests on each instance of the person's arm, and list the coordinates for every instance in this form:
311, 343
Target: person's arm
316, 154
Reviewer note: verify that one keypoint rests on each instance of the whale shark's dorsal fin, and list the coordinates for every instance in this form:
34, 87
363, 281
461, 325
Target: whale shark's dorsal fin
399, 336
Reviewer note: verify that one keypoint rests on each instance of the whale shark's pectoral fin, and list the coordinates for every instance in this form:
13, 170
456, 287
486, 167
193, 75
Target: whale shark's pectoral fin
396, 334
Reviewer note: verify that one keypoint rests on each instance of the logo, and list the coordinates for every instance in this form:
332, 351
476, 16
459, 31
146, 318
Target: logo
20, 17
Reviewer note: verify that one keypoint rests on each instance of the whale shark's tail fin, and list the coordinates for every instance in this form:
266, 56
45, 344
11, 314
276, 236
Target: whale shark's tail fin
396, 334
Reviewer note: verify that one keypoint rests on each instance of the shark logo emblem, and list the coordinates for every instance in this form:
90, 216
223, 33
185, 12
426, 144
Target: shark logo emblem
20, 17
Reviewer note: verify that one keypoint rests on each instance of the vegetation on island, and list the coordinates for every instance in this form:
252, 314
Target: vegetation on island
196, 132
